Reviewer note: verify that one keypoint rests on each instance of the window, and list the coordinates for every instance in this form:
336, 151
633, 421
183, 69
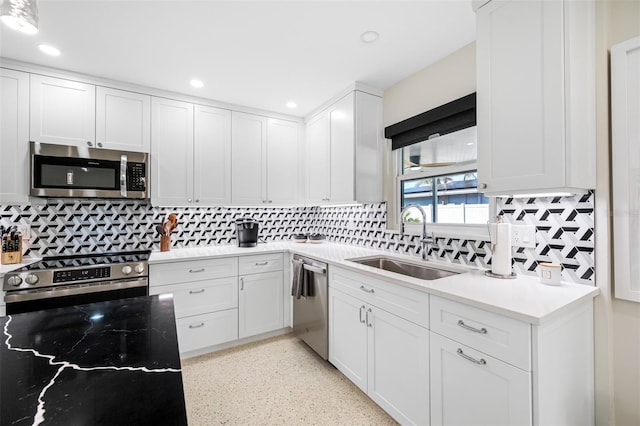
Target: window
441, 172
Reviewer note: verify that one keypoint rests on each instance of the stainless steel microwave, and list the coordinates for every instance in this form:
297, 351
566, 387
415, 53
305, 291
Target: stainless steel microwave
74, 171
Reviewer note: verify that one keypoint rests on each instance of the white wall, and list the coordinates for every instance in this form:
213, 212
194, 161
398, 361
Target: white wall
617, 324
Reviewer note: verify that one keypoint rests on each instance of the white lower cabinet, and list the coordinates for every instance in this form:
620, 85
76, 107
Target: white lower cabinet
469, 387
384, 354
260, 303
205, 299
205, 330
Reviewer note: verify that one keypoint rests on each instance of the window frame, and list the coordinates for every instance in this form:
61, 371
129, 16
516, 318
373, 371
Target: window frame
462, 230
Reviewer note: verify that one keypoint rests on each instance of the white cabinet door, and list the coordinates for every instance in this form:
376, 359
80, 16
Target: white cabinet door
260, 303
535, 96
348, 337
62, 111
317, 163
398, 359
469, 387
212, 156
342, 136
282, 161
14, 137
123, 120
171, 152
249, 136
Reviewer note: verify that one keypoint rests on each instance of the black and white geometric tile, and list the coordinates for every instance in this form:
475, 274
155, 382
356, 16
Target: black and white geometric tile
80, 226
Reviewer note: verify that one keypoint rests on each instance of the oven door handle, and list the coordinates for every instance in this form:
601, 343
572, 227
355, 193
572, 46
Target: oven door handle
24, 295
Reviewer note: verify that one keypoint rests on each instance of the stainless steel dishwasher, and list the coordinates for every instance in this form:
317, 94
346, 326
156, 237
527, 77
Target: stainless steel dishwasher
310, 313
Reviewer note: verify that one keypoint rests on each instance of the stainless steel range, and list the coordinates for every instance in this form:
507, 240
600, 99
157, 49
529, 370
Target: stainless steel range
61, 281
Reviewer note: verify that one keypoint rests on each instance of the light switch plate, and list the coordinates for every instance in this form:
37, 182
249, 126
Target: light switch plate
25, 231
523, 236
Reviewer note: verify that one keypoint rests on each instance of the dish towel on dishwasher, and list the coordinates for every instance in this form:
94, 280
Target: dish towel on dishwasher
301, 285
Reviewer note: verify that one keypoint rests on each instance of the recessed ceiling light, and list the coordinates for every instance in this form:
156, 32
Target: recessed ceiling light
196, 83
369, 36
49, 50
292, 104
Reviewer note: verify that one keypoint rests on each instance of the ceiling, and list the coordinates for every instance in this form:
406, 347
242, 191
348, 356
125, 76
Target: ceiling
260, 54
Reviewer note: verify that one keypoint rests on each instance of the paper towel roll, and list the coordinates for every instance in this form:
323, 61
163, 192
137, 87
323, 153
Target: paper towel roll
501, 244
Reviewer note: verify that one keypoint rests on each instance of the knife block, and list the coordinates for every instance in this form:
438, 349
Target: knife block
11, 257
165, 242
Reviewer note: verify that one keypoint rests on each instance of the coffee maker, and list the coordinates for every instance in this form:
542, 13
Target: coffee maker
247, 232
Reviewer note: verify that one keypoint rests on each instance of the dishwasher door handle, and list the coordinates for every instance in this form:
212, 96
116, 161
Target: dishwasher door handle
315, 269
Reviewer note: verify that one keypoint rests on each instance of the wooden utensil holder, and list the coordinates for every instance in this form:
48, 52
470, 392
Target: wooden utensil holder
11, 257
165, 242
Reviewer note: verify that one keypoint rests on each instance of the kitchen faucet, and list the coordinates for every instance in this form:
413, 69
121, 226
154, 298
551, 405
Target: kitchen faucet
425, 240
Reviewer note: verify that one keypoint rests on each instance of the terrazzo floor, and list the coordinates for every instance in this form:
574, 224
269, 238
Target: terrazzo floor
278, 381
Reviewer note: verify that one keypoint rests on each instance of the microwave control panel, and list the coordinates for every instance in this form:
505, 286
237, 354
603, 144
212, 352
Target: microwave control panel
136, 177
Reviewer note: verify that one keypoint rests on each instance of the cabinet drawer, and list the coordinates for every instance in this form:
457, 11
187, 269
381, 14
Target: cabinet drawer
200, 297
205, 330
260, 263
196, 270
406, 303
505, 338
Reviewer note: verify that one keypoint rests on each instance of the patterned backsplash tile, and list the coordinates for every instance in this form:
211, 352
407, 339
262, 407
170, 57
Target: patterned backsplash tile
78, 226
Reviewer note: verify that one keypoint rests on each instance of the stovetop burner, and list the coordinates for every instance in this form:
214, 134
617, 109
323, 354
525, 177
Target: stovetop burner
82, 260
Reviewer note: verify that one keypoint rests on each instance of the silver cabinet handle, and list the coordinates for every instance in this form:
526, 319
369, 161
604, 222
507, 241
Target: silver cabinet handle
189, 200
368, 290
475, 330
482, 186
367, 318
468, 358
360, 314
241, 283
196, 325
197, 200
195, 271
196, 291
99, 144
270, 201
261, 263
89, 143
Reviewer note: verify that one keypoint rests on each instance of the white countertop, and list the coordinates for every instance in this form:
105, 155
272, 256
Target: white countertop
523, 298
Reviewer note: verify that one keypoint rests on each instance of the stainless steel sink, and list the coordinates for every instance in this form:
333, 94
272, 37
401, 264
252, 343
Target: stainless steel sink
406, 268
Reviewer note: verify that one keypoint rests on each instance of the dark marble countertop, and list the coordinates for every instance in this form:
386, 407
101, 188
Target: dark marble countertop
109, 363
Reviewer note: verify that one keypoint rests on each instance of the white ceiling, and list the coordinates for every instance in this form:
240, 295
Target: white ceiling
255, 53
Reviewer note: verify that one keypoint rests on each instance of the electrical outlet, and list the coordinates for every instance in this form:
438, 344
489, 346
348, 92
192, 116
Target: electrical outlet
25, 230
523, 236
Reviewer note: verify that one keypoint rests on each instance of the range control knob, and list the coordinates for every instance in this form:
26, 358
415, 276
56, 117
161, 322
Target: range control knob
139, 268
14, 280
126, 270
31, 279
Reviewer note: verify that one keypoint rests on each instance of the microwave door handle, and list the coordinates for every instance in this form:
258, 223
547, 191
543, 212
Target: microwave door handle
123, 175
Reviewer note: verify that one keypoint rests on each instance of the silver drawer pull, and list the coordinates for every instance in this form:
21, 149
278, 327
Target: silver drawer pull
368, 290
193, 271
196, 291
475, 330
262, 263
196, 325
468, 358
361, 308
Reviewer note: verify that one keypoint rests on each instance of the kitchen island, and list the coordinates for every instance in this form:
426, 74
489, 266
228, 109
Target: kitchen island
98, 364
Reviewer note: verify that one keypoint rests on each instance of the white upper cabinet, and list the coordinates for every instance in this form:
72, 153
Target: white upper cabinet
212, 156
14, 136
248, 141
535, 96
123, 120
62, 111
190, 154
282, 161
344, 151
264, 160
171, 152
